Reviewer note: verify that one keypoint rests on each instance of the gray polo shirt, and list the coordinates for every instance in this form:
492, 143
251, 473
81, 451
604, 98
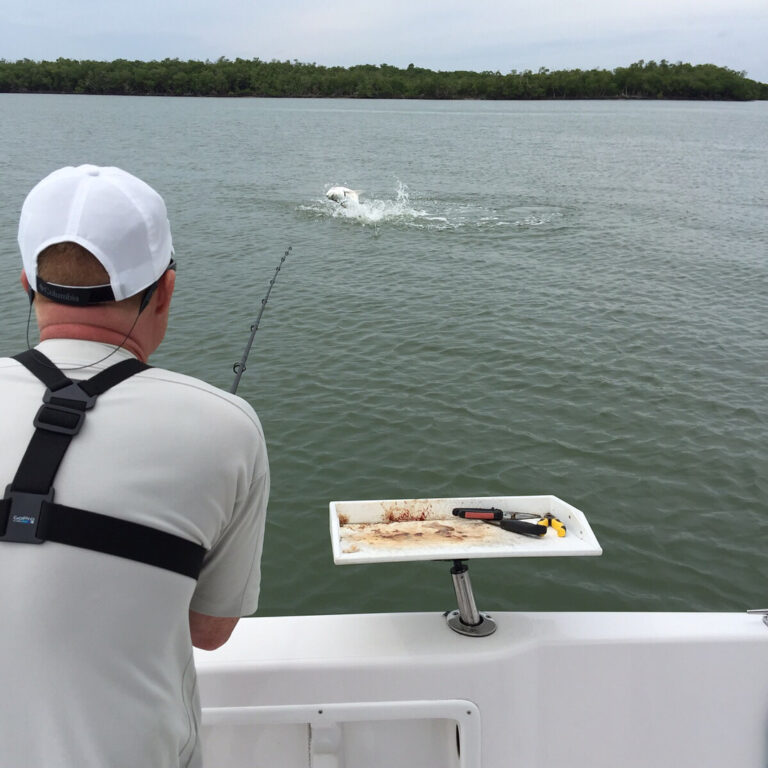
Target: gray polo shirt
96, 665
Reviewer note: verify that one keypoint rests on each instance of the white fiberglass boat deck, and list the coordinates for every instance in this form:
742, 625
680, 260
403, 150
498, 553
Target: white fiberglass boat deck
545, 690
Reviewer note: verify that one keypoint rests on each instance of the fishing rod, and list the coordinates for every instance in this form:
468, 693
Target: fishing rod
239, 367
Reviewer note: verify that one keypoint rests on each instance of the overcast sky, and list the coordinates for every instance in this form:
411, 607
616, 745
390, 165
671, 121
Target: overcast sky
449, 34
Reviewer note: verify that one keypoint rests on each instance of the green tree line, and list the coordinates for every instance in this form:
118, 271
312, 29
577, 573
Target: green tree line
253, 77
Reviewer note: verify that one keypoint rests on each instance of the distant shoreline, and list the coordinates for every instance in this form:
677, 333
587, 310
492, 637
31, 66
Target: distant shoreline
243, 78
381, 98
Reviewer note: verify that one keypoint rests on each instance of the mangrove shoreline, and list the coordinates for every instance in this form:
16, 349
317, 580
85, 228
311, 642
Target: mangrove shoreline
256, 78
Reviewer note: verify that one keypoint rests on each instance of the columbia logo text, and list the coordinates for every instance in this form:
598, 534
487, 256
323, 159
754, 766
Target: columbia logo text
52, 293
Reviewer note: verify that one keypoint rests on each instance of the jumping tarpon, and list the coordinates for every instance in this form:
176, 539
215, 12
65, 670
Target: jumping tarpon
342, 195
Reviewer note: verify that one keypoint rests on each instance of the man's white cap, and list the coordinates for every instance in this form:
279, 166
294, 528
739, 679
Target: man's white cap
119, 218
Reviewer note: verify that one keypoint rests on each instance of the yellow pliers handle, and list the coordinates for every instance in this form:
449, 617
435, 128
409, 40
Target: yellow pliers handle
550, 521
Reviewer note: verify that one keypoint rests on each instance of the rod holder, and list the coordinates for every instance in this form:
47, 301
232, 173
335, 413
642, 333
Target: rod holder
467, 620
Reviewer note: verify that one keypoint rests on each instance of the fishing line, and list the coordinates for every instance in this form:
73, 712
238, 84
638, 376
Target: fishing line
239, 367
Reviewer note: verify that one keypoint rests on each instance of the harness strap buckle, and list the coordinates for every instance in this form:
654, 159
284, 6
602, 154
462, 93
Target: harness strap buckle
59, 418
63, 409
23, 520
71, 396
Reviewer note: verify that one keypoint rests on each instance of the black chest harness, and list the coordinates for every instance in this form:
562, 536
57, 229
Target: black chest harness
28, 513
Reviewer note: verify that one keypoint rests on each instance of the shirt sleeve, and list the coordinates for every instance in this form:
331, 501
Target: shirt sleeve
230, 579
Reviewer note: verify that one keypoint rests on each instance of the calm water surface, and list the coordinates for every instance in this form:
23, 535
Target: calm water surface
566, 298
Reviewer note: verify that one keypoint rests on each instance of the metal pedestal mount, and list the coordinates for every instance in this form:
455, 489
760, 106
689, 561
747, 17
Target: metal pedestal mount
467, 620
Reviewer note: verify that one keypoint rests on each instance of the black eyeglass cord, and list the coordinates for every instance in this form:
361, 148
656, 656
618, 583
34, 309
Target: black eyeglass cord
89, 365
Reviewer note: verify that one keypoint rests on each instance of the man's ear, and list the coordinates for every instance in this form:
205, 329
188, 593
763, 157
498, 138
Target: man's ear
165, 290
25, 286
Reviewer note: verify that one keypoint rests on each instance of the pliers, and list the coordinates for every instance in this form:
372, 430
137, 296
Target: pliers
550, 521
508, 521
514, 521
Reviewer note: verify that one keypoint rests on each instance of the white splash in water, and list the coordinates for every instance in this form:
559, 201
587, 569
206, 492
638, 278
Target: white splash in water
401, 210
377, 211
536, 220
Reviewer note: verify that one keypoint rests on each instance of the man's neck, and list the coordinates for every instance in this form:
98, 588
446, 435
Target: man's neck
94, 333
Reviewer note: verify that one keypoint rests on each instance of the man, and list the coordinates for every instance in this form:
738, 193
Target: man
133, 516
